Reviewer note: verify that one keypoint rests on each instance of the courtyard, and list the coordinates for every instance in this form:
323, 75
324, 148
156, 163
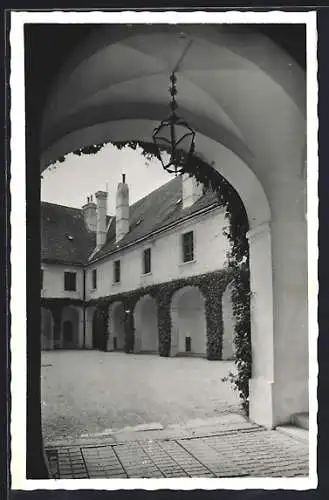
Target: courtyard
90, 393
117, 415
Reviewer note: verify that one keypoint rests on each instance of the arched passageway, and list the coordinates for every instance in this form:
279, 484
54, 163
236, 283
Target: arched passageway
146, 325
228, 325
47, 329
116, 327
188, 322
246, 100
70, 328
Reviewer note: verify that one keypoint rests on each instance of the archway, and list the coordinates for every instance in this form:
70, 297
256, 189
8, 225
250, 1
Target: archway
245, 105
188, 330
228, 324
47, 329
146, 325
98, 331
70, 328
116, 327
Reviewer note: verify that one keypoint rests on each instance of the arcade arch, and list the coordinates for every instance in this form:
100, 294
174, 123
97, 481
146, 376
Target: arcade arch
116, 326
146, 325
71, 328
188, 322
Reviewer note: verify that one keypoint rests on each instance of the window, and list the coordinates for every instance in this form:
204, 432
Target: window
188, 250
116, 269
70, 281
41, 279
147, 261
94, 279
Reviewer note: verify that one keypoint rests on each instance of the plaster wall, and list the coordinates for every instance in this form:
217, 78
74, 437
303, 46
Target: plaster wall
210, 247
146, 325
188, 320
53, 282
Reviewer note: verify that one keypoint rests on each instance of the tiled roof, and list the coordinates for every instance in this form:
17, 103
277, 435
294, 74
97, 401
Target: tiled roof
64, 236
155, 211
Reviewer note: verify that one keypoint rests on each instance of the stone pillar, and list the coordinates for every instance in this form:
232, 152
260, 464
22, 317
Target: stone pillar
262, 331
89, 328
80, 329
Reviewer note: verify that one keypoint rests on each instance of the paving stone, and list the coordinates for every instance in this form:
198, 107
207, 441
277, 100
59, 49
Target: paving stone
188, 463
243, 452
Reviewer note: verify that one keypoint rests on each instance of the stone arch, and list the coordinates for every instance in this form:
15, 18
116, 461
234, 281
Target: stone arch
228, 324
98, 340
146, 331
116, 326
70, 328
244, 127
188, 321
47, 329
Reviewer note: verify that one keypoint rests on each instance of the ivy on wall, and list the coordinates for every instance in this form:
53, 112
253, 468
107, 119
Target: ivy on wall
211, 285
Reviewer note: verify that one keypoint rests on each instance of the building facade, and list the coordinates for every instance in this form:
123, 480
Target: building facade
140, 280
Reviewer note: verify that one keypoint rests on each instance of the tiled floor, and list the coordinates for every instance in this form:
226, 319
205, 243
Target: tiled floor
236, 451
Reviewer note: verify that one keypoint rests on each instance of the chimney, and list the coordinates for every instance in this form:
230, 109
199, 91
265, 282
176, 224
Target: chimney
101, 197
122, 209
191, 190
89, 214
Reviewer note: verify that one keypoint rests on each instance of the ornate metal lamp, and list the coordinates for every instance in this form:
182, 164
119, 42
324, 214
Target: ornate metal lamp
174, 136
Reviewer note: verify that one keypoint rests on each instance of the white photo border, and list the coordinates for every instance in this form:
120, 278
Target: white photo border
18, 241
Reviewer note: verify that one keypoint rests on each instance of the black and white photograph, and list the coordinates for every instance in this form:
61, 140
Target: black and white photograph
164, 173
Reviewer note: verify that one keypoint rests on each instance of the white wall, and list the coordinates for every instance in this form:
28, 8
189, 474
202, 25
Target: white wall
188, 320
146, 325
210, 247
53, 282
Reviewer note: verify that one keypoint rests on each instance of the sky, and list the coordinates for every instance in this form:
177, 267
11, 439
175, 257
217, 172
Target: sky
70, 183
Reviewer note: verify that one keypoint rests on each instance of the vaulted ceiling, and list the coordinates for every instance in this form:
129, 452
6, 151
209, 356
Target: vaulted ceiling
240, 87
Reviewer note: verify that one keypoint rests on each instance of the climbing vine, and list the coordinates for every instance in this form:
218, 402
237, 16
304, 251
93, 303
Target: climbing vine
211, 285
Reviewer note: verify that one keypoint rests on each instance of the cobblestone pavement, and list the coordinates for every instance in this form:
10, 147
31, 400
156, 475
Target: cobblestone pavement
88, 392
236, 449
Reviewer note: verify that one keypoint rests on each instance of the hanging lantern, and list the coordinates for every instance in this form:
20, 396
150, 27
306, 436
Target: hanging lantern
174, 138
